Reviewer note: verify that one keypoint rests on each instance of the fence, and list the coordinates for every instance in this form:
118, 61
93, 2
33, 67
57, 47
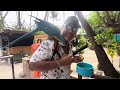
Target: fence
20, 49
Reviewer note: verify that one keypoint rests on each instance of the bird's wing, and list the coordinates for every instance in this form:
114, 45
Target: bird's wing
51, 30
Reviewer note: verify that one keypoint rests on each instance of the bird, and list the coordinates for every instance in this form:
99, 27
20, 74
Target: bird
51, 30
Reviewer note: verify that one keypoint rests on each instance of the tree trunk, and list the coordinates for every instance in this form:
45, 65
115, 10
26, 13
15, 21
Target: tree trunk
102, 57
46, 16
19, 22
5, 15
108, 17
63, 16
1, 20
30, 20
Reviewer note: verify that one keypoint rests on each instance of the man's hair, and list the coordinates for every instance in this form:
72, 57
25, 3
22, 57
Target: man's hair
73, 21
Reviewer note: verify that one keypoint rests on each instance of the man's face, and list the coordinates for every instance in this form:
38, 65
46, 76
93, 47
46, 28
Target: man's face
70, 33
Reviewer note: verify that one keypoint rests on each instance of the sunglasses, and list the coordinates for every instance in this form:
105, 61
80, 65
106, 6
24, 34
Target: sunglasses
74, 29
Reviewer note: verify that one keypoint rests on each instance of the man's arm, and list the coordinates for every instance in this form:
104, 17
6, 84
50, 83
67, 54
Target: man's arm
49, 65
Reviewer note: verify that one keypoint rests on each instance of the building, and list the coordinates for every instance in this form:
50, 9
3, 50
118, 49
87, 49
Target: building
7, 36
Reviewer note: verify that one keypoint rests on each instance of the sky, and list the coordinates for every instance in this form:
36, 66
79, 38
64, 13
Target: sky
11, 18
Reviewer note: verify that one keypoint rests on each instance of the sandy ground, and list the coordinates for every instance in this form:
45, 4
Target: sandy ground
89, 57
6, 70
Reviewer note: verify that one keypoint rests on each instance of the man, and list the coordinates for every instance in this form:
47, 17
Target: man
57, 67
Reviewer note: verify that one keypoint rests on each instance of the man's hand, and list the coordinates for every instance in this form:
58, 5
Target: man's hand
66, 57
81, 58
77, 59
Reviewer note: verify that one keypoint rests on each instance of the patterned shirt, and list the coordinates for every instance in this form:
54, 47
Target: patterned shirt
45, 51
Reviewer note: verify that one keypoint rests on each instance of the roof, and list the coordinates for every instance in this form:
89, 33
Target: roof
12, 35
10, 32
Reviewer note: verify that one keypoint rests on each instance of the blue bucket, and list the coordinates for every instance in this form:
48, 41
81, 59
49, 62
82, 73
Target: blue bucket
85, 69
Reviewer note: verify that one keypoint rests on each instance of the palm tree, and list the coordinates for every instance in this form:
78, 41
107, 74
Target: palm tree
46, 16
19, 20
30, 20
63, 16
54, 15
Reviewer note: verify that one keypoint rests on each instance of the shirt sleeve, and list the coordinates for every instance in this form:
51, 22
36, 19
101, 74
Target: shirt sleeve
43, 52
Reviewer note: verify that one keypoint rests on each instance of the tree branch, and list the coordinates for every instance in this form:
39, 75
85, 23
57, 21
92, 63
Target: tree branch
46, 15
5, 15
108, 17
118, 17
30, 20
36, 16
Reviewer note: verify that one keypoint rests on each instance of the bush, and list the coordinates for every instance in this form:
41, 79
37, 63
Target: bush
81, 42
118, 51
18, 58
90, 46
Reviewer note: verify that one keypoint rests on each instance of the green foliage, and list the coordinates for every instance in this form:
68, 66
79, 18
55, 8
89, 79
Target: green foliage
102, 14
18, 58
81, 41
90, 46
1, 24
118, 50
113, 14
104, 35
54, 14
106, 39
94, 20
111, 49
1, 21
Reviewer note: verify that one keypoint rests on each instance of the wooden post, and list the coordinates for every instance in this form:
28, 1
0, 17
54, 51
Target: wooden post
79, 76
26, 70
1, 50
12, 61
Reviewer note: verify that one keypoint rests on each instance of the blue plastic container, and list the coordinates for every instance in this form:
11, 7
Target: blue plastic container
85, 69
117, 37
